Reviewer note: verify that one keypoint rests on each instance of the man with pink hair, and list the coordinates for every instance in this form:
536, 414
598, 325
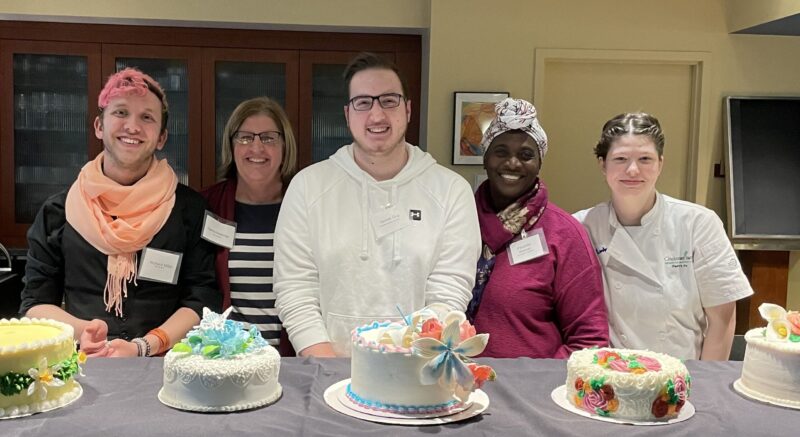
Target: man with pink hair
119, 255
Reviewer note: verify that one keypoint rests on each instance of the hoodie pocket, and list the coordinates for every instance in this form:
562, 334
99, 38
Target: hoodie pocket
341, 326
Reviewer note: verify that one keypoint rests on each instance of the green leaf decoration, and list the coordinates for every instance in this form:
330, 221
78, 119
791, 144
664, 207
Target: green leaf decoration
13, 383
794, 337
600, 412
210, 351
182, 347
597, 383
195, 340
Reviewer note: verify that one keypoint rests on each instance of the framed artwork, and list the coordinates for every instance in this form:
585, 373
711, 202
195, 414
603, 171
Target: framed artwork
473, 113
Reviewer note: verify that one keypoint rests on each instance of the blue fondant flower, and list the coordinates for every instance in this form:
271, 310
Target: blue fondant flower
217, 337
446, 357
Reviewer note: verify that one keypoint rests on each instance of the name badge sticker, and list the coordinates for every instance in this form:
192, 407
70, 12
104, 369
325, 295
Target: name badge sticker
530, 246
218, 231
388, 221
160, 265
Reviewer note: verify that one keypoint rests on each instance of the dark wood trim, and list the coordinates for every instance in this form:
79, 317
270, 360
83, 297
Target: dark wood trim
208, 37
768, 272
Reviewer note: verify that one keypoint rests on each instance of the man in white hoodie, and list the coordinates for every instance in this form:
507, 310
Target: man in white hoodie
377, 229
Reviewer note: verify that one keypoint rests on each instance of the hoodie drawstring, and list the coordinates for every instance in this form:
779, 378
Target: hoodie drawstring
364, 255
395, 244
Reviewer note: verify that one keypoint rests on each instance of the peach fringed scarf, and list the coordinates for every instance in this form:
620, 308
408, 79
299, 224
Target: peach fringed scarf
120, 220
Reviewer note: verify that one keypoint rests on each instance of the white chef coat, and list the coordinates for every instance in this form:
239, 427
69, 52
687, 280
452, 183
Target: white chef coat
659, 278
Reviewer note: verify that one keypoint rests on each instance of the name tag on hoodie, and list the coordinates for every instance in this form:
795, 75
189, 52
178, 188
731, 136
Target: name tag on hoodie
387, 221
160, 265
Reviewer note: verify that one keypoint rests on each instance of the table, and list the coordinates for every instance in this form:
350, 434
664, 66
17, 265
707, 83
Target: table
120, 400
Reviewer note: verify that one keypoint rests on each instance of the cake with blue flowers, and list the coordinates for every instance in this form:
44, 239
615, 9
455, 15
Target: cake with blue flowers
38, 366
221, 367
418, 366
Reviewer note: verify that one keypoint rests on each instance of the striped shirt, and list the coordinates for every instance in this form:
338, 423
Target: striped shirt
250, 269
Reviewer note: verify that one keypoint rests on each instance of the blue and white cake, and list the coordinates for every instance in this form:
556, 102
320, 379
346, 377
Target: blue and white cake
220, 366
417, 366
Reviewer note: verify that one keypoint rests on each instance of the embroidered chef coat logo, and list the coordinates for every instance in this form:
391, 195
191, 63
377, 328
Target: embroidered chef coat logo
600, 250
678, 261
415, 214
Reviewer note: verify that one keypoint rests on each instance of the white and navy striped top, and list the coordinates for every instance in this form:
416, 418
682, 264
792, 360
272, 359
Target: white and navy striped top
250, 269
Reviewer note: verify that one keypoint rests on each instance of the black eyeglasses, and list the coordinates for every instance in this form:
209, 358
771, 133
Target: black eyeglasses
267, 138
387, 101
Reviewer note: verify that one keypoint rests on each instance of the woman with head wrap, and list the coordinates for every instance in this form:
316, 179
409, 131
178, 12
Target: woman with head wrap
539, 290
672, 276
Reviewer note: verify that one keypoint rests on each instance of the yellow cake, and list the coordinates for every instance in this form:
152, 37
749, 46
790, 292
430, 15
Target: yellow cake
38, 365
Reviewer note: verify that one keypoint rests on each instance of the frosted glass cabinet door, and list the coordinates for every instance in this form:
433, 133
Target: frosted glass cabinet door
236, 81
50, 127
173, 76
329, 129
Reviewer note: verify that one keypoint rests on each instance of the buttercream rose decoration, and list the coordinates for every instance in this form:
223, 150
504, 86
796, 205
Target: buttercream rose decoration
431, 328
794, 320
594, 402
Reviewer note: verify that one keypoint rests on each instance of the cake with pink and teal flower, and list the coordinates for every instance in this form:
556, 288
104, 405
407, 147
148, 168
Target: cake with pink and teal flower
418, 366
627, 384
771, 366
221, 367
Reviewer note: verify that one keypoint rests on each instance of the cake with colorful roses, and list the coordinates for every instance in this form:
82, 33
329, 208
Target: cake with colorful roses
419, 365
38, 366
771, 367
220, 366
627, 384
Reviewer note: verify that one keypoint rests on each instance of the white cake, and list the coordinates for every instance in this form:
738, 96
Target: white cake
771, 367
627, 384
393, 364
38, 366
221, 367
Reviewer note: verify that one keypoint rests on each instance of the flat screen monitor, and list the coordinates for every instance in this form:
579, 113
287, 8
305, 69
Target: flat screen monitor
763, 172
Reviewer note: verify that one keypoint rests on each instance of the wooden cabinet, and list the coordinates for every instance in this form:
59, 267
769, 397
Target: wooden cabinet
51, 74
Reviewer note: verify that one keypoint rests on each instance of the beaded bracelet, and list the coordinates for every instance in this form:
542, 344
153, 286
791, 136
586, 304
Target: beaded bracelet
162, 337
142, 346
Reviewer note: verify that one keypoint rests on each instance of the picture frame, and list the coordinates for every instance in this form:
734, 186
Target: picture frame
473, 111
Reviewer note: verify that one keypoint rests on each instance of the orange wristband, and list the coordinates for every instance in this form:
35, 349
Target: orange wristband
162, 337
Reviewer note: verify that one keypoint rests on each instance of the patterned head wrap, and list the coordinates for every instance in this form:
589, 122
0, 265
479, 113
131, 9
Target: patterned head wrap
515, 114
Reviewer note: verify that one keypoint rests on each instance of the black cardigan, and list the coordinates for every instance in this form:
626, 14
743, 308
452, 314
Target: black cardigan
61, 265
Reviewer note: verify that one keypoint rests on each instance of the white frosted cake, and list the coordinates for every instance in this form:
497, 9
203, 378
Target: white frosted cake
38, 365
627, 384
771, 367
219, 366
402, 367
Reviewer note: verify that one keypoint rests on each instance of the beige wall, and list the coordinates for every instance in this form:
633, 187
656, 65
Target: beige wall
478, 45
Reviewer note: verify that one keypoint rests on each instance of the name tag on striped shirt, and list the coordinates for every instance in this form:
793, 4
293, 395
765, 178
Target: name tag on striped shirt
219, 231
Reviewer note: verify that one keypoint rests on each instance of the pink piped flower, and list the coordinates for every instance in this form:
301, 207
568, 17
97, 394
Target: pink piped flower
466, 330
794, 320
650, 364
431, 328
592, 401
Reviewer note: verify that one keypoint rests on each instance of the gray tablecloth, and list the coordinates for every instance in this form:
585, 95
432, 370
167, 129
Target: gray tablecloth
119, 400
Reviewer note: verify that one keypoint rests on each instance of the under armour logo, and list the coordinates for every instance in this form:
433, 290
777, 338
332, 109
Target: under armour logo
415, 214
